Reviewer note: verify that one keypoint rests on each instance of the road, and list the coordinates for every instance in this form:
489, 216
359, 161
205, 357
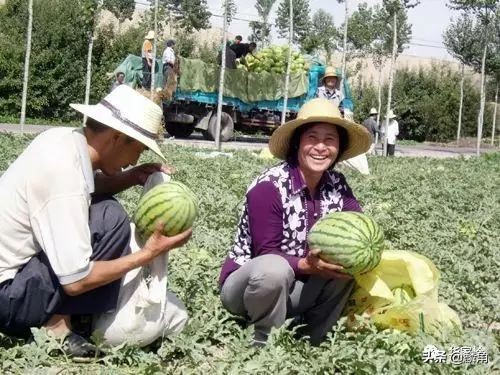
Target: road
256, 144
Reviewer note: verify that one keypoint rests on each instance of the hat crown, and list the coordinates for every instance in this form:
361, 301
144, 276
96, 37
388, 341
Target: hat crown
150, 35
136, 108
318, 107
330, 71
373, 111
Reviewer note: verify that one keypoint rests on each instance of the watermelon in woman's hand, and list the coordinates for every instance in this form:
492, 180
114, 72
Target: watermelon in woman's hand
350, 239
173, 203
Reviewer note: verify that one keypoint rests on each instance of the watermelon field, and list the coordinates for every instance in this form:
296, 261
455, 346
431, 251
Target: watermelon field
445, 209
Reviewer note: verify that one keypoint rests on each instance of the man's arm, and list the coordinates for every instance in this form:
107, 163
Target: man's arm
104, 272
126, 179
114, 184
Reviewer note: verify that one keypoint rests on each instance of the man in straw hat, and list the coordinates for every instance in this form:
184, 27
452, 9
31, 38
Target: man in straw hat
64, 243
270, 274
371, 125
330, 88
147, 59
392, 133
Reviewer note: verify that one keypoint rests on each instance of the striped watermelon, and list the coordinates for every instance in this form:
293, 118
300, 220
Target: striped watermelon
173, 203
351, 239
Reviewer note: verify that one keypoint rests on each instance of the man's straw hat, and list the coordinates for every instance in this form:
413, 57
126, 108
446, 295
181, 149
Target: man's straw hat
373, 111
321, 111
129, 112
150, 35
391, 114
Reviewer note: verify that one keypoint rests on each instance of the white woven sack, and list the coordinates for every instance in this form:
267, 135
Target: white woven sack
145, 311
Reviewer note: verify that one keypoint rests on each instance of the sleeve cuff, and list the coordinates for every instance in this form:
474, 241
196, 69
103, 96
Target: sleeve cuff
77, 276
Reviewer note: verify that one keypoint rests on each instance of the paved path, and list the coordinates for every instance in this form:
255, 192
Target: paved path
256, 144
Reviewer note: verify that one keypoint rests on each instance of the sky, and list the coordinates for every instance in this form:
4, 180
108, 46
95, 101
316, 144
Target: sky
429, 19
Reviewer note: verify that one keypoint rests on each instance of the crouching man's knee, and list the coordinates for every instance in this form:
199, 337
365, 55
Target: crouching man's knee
176, 315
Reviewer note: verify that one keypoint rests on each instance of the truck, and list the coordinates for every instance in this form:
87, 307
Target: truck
251, 101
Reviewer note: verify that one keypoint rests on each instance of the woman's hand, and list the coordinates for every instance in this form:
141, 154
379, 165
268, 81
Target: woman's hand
141, 173
158, 243
313, 265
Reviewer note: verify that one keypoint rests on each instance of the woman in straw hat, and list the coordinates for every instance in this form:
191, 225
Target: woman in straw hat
65, 239
270, 274
330, 88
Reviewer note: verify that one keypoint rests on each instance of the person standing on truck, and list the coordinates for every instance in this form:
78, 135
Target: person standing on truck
237, 39
168, 58
330, 88
230, 57
147, 59
243, 49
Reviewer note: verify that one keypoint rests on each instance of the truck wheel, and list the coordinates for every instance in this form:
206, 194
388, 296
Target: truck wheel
179, 130
226, 125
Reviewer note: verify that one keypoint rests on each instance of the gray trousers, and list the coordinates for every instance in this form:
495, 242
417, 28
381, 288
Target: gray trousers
265, 291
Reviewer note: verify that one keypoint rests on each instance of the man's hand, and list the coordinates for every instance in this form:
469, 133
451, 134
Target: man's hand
313, 265
158, 243
141, 173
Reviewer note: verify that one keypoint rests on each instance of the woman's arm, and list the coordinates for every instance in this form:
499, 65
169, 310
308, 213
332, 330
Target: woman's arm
265, 216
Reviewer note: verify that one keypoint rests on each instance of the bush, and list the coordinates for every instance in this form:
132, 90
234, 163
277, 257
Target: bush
427, 103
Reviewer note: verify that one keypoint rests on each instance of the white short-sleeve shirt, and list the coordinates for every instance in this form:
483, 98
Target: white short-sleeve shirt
392, 132
45, 199
168, 56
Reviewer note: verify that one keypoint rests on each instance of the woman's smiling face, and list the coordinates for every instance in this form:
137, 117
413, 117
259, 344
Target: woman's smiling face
318, 148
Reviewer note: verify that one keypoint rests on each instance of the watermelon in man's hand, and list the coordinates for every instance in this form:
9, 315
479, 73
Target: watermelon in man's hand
350, 239
172, 203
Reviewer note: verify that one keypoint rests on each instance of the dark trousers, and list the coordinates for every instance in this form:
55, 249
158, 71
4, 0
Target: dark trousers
166, 69
146, 74
34, 295
390, 149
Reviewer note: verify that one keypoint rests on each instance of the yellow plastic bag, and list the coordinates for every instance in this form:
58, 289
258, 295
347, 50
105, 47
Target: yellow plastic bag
374, 295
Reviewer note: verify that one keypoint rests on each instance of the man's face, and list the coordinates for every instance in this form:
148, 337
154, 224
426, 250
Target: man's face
120, 77
330, 82
121, 152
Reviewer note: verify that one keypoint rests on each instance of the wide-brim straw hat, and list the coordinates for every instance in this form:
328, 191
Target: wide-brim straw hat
130, 113
330, 71
373, 111
150, 35
391, 115
321, 111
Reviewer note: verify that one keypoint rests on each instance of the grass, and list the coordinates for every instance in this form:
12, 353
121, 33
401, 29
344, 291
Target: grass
39, 121
447, 210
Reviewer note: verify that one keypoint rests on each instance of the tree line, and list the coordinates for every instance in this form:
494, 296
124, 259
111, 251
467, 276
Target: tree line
68, 46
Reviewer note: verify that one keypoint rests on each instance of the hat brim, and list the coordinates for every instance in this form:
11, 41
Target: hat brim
103, 115
359, 139
331, 75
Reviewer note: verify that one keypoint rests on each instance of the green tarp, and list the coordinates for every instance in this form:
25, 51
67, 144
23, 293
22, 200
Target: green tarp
132, 68
248, 87
196, 75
